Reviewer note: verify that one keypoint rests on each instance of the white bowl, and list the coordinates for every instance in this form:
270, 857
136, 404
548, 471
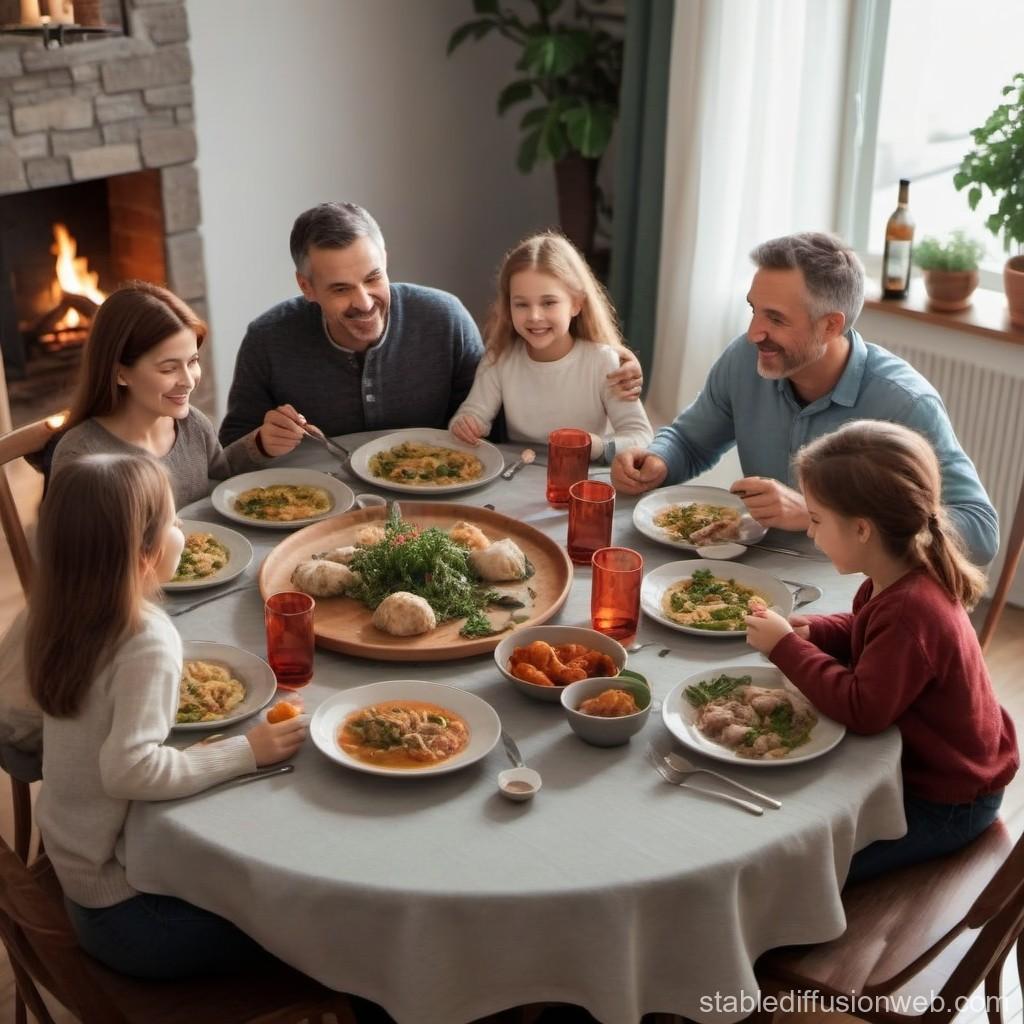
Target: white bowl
251, 671
554, 635
597, 729
751, 531
239, 555
225, 493
659, 580
489, 455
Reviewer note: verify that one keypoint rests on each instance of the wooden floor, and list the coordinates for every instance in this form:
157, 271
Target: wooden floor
1006, 659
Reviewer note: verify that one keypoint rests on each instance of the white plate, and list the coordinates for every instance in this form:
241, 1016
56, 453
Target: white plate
678, 714
481, 718
252, 672
225, 493
657, 582
684, 494
486, 453
239, 555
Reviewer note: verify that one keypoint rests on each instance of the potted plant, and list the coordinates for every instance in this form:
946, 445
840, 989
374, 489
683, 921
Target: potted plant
950, 269
572, 72
997, 163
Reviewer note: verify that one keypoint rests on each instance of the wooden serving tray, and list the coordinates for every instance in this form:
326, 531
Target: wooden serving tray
343, 624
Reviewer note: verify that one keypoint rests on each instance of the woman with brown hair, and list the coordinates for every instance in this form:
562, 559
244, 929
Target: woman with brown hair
140, 366
907, 655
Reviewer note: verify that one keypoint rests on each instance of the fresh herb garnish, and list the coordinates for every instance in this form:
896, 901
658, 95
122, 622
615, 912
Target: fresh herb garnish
721, 686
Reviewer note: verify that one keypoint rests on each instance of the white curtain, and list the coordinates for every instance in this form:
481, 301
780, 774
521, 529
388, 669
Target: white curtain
752, 152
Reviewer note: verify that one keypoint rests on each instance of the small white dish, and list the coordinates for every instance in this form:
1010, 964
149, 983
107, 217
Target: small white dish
491, 458
750, 531
659, 580
239, 555
251, 671
519, 783
481, 720
679, 716
227, 491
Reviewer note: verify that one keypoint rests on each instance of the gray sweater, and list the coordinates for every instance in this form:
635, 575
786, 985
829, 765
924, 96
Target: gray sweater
195, 457
417, 375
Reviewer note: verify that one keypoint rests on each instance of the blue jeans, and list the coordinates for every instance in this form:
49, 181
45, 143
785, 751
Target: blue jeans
933, 830
162, 937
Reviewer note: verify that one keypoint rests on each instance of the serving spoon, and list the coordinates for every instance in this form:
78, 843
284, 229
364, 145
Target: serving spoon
526, 457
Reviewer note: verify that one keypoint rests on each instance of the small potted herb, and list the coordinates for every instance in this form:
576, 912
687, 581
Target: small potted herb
950, 269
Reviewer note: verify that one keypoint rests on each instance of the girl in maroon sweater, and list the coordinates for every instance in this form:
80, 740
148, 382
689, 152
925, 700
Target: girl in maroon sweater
907, 654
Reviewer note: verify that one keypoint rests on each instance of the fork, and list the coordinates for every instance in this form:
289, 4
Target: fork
332, 446
678, 779
681, 766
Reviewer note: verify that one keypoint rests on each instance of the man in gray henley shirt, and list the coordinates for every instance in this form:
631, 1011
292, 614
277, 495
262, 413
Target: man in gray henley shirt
355, 352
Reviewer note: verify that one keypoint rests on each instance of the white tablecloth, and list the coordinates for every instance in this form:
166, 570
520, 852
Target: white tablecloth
442, 901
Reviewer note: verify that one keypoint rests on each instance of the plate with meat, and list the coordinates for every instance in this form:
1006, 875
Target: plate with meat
687, 516
405, 727
748, 713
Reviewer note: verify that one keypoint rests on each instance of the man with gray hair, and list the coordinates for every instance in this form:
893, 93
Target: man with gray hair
799, 372
353, 352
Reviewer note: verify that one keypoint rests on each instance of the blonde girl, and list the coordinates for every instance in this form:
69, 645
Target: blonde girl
907, 654
104, 664
553, 356
140, 366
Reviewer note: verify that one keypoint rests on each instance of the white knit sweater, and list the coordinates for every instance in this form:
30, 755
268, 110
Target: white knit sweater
113, 752
570, 392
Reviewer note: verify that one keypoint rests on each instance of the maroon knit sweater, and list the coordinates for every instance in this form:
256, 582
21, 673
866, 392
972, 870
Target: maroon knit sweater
909, 657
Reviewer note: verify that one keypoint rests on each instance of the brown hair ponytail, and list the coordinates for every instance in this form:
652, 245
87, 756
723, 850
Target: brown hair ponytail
103, 516
889, 474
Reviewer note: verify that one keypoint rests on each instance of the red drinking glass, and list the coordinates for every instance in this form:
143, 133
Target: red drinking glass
289, 618
591, 510
568, 462
615, 592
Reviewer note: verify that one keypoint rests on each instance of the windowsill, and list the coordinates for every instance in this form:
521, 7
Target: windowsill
987, 315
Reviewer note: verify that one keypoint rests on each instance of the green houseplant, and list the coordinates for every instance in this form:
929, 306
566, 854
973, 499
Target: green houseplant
570, 72
997, 164
950, 269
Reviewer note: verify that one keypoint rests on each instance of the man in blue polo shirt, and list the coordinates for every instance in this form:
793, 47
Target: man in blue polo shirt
799, 372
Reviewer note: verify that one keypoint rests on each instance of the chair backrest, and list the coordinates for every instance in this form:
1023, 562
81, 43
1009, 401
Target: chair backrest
1011, 559
16, 444
41, 943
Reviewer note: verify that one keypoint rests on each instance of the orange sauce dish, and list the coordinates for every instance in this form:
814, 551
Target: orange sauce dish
403, 734
610, 704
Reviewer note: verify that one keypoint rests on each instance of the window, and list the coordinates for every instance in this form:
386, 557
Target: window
938, 69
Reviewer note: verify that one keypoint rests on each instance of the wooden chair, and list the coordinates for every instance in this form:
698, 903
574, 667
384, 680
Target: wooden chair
1014, 547
43, 952
944, 927
16, 444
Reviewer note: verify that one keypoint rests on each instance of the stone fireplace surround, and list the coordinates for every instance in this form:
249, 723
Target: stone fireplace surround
98, 109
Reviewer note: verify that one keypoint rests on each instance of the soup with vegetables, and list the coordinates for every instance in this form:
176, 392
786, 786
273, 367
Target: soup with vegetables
283, 503
403, 734
202, 556
425, 465
705, 601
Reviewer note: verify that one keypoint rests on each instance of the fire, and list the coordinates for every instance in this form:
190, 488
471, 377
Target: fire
73, 276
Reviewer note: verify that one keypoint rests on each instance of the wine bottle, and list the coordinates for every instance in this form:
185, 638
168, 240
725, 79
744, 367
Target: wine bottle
899, 244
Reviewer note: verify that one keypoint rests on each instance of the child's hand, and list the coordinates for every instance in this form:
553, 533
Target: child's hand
273, 743
801, 625
766, 629
282, 430
468, 429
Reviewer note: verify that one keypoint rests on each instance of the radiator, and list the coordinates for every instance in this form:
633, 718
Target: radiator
986, 407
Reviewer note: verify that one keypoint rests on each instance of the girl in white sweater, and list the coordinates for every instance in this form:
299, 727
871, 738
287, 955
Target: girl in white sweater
104, 664
552, 340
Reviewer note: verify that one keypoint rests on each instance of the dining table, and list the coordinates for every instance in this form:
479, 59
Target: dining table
442, 901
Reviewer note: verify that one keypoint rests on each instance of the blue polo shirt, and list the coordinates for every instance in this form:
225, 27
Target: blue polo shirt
768, 425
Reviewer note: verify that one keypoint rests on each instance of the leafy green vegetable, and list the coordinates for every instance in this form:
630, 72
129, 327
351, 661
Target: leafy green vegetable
721, 686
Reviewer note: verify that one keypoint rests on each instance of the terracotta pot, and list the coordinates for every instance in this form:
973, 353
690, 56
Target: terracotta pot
1013, 283
950, 290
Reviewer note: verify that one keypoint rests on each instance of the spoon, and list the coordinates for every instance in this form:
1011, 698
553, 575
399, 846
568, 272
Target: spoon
520, 782
527, 456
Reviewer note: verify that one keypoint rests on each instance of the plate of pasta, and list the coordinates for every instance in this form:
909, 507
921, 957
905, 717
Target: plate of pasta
220, 685
425, 461
711, 598
213, 554
688, 516
282, 499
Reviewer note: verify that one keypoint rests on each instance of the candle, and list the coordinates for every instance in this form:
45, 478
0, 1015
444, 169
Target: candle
30, 12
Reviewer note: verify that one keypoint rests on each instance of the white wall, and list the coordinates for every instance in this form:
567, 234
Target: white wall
305, 101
